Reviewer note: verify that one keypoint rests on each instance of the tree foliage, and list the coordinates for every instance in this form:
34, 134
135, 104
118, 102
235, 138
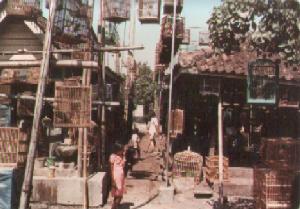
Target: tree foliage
144, 86
263, 25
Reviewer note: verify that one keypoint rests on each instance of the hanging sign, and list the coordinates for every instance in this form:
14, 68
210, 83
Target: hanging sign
262, 82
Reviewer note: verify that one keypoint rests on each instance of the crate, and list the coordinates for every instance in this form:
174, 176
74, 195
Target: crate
72, 106
273, 188
212, 168
281, 153
13, 147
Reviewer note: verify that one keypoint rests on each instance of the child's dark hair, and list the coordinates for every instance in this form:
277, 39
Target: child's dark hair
118, 147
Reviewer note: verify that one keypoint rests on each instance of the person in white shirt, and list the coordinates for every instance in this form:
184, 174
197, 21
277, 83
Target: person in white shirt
153, 131
135, 141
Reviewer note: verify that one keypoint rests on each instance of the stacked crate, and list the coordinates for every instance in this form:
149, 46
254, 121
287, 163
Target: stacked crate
212, 168
274, 182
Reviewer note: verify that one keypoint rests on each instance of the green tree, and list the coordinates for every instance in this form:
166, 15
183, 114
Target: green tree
262, 25
144, 86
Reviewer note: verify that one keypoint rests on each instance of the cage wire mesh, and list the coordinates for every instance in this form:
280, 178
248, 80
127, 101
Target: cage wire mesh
188, 164
71, 23
149, 11
116, 10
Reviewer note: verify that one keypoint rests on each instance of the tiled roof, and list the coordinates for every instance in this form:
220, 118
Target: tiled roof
204, 61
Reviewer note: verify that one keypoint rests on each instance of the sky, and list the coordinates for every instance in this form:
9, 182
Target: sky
196, 13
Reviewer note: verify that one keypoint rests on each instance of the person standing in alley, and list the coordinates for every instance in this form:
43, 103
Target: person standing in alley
153, 131
117, 164
135, 141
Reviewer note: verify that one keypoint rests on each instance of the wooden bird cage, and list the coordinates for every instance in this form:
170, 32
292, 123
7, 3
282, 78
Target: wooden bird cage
71, 22
169, 6
177, 122
23, 8
273, 188
116, 10
186, 37
281, 153
72, 106
13, 147
212, 168
167, 28
149, 11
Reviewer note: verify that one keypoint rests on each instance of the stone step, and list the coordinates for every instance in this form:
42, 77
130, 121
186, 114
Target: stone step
240, 172
237, 187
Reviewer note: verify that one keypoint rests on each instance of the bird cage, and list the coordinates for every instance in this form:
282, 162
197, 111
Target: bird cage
204, 39
169, 6
25, 107
188, 164
212, 168
167, 28
71, 25
13, 147
116, 10
72, 106
24, 8
186, 37
149, 11
273, 188
177, 122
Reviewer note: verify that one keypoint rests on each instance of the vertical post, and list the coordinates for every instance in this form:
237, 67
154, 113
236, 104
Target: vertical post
101, 82
79, 156
27, 184
170, 92
220, 143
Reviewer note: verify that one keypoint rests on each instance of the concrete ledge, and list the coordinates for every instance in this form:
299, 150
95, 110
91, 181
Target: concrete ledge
69, 190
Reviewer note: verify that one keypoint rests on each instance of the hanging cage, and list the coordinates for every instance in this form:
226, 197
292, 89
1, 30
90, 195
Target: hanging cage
149, 11
167, 28
186, 37
71, 25
169, 6
116, 10
204, 39
24, 8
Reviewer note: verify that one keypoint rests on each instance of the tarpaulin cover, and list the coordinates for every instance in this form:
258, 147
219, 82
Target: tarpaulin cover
6, 187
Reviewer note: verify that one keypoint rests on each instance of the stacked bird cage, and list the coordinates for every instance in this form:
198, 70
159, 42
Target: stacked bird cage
188, 164
273, 188
186, 37
212, 168
25, 8
169, 6
177, 122
72, 106
13, 150
71, 24
281, 153
117, 10
149, 11
274, 183
167, 28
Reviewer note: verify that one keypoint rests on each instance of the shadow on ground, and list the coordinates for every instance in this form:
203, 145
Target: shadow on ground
126, 205
141, 174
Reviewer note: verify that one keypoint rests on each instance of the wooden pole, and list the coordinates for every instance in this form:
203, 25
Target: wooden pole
170, 94
220, 142
27, 184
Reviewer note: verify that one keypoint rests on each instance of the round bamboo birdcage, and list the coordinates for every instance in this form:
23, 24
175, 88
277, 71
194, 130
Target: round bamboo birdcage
117, 10
149, 11
71, 23
188, 164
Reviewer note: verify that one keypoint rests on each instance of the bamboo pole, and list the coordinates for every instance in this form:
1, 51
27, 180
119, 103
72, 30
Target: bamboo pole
59, 63
26, 187
68, 51
170, 94
220, 143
